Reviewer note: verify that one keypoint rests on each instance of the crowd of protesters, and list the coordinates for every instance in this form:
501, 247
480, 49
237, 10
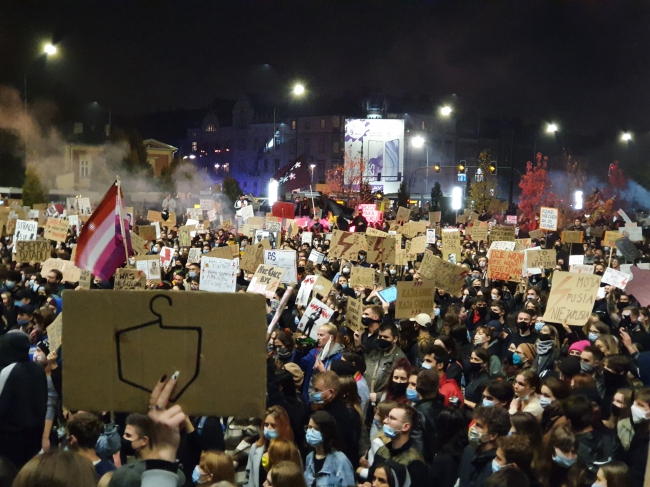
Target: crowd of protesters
478, 391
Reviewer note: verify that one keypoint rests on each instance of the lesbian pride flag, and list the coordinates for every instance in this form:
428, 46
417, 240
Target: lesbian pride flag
100, 248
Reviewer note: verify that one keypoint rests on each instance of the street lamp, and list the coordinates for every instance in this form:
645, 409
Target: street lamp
299, 89
445, 111
626, 136
578, 201
456, 198
312, 167
49, 49
417, 141
551, 128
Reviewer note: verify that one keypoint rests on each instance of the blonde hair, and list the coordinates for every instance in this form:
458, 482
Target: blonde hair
287, 474
219, 465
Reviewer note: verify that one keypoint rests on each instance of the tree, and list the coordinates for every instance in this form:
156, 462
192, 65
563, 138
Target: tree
347, 180
535, 190
597, 206
33, 190
403, 196
231, 188
485, 184
468, 193
436, 196
135, 159
366, 193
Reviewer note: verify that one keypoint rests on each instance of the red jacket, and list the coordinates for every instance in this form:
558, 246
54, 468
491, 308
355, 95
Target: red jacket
449, 388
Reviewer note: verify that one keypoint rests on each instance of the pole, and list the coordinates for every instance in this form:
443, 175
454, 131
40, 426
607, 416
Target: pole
274, 136
512, 166
119, 211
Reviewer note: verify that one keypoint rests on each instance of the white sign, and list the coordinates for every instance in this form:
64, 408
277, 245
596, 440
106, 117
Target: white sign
71, 204
624, 216
285, 259
150, 267
32, 214
206, 204
316, 314
157, 225
84, 206
431, 235
73, 221
511, 219
246, 212
212, 215
615, 278
305, 290
316, 257
25, 230
501, 245
306, 238
634, 233
218, 275
548, 218
576, 259
581, 269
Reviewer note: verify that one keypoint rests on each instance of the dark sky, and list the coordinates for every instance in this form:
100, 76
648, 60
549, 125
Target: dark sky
584, 64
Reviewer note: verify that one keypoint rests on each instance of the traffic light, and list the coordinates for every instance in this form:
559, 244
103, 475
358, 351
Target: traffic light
612, 167
436, 168
493, 167
379, 195
461, 168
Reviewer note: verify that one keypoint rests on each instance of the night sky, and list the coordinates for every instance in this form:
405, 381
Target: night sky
582, 64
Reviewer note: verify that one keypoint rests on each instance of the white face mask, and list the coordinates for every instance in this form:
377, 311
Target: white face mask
638, 415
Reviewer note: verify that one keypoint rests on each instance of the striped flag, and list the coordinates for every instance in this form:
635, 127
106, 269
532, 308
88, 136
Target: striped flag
100, 248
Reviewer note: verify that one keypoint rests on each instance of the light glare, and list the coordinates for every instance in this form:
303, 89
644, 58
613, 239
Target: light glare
445, 111
417, 141
456, 198
49, 49
551, 128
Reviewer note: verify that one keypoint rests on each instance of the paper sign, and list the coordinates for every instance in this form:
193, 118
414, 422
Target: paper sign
70, 272
218, 275
253, 257
346, 245
220, 252
271, 236
388, 295
500, 245
149, 265
505, 265
610, 238
572, 236
451, 245
25, 230
166, 254
431, 235
273, 226
212, 215
37, 251
502, 233
403, 215
206, 204
362, 276
381, 250
418, 245
266, 280
581, 269
156, 225
256, 222
147, 232
572, 298
511, 219
247, 212
304, 292
542, 258
323, 286
316, 257
194, 255
54, 333
523, 244
635, 234
316, 314
548, 218
576, 259
83, 205
184, 237
130, 279
413, 298
479, 234
624, 216
85, 279
286, 259
306, 238
615, 278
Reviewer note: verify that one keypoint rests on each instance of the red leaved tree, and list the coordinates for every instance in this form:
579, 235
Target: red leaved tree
535, 191
597, 206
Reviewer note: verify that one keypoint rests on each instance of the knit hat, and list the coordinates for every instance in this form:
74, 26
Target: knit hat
296, 372
580, 346
529, 351
44, 345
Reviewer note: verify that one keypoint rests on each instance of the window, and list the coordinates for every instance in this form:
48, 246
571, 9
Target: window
210, 128
306, 124
241, 144
322, 123
293, 125
195, 146
322, 145
84, 168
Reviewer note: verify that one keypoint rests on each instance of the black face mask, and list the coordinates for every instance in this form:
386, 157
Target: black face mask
399, 389
625, 322
522, 325
545, 336
613, 381
476, 367
616, 411
367, 321
599, 273
384, 344
481, 311
494, 315
621, 306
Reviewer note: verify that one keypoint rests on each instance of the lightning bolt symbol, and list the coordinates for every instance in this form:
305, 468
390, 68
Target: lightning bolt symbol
561, 291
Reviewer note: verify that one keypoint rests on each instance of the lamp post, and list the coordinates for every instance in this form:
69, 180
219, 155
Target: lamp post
311, 168
298, 91
419, 142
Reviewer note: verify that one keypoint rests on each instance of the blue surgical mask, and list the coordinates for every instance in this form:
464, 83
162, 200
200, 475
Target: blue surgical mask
316, 397
270, 434
344, 286
10, 284
296, 320
545, 401
388, 431
18, 304
22, 323
196, 475
539, 325
562, 460
412, 395
436, 312
593, 336
35, 286
426, 365
313, 437
496, 466
487, 403
192, 274
516, 359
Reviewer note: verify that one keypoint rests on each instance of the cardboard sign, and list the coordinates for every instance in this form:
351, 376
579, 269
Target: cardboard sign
212, 215
523, 244
130, 279
323, 286
83, 206
184, 237
306, 287
610, 238
149, 265
596, 231
54, 333
418, 245
427, 266
381, 250
434, 216
581, 269
451, 245
227, 225
147, 232
206, 204
501, 245
220, 252
316, 314
166, 254
316, 257
450, 277
478, 233
218, 275
639, 285
541, 259
576, 259
256, 222
346, 245
70, 272
505, 265
362, 276
85, 279
194, 255
136, 338
572, 236
403, 215
572, 298
431, 235
37, 251
548, 218
413, 298
266, 280
273, 226
375, 233
353, 314
25, 230
615, 278
252, 258
286, 259
536, 234
502, 233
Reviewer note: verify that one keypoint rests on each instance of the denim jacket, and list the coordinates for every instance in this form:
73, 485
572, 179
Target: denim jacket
337, 471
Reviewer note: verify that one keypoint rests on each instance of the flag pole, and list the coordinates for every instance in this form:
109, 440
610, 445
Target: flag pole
121, 218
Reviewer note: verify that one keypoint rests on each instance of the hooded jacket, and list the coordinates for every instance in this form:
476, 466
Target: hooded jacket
307, 362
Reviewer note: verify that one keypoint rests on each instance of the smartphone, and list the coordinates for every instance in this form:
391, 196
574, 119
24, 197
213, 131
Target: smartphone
388, 295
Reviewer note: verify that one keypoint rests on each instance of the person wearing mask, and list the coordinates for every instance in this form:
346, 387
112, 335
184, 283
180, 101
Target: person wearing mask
398, 383
436, 357
527, 386
497, 315
620, 419
634, 457
84, 430
478, 377
326, 465
613, 474
560, 466
213, 467
372, 317
381, 361
490, 423
525, 333
498, 393
478, 316
429, 406
515, 451
485, 337
41, 357
23, 400
591, 360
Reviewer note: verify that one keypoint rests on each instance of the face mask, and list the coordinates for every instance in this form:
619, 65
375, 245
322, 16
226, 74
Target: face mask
399, 389
274, 303
494, 297
481, 264
192, 274
476, 367
367, 321
10, 284
593, 336
296, 320
18, 304
412, 395
426, 365
346, 271
545, 401
313, 437
475, 438
638, 414
393, 272
317, 397
586, 367
522, 325
516, 359
496, 466
494, 315
35, 286
487, 403
196, 475
478, 340
22, 323
562, 460
481, 311
384, 344
39, 359
544, 346
621, 306
270, 434
344, 286
539, 325
436, 312
388, 431
155, 250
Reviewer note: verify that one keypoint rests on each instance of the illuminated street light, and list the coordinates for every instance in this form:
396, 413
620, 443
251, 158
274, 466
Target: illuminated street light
299, 89
551, 128
49, 49
456, 198
192, 156
273, 192
578, 201
626, 136
445, 111
417, 141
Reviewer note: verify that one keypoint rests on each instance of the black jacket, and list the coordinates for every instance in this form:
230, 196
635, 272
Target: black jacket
348, 427
475, 467
424, 434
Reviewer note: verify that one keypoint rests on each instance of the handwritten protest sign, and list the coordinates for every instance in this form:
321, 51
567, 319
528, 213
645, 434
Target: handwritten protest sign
353, 314
70, 272
130, 279
54, 333
634, 233
572, 236
431, 235
548, 218
316, 257
255, 222
610, 238
413, 298
615, 278
85, 279
375, 233
206, 204
346, 245
362, 276
25, 230
316, 314
449, 277
273, 226
286, 259
147, 232
505, 265
253, 257
502, 233
306, 287
523, 244
307, 238
478, 233
572, 298
540, 258
536, 234
418, 245
451, 245
576, 259
247, 212
220, 252
149, 265
83, 205
581, 269
37, 251
434, 216
403, 215
266, 280
56, 229
322, 286
212, 215
381, 250
428, 266
184, 238
500, 245
218, 275
194, 255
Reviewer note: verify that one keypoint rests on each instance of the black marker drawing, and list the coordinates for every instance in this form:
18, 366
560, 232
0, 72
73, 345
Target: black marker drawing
159, 321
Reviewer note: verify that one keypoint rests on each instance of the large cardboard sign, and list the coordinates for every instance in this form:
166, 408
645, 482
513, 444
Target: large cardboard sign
130, 279
434, 216
541, 259
363, 276
572, 236
266, 280
500, 245
137, 338
220, 252
610, 238
149, 265
536, 234
71, 273
306, 287
273, 226
418, 245
218, 275
479, 233
381, 250
505, 265
25, 230
451, 245
286, 259
253, 257
414, 297
147, 232
37, 251
206, 204
56, 229
140, 245
54, 333
370, 231
316, 314
323, 286
615, 278
346, 245
450, 277
428, 266
502, 233
403, 215
523, 244
548, 218
572, 298
353, 314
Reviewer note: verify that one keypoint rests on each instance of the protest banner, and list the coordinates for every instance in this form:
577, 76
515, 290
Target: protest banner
220, 252
388, 295
581, 269
137, 338
147, 232
306, 238
149, 265
36, 251
252, 258
418, 245
273, 238
304, 292
346, 245
273, 226
206, 204
615, 278
194, 255
70, 271
572, 236
431, 236
212, 215
572, 298
536, 234
247, 212
362, 276
541, 258
83, 206
596, 231
25, 230
451, 245
266, 280
130, 279
511, 219
576, 259
316, 314
478, 233
218, 275
370, 231
502, 233
316, 257
184, 238
500, 245
286, 259
403, 215
505, 265
413, 298
610, 238
548, 218
353, 315
322, 286
381, 250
